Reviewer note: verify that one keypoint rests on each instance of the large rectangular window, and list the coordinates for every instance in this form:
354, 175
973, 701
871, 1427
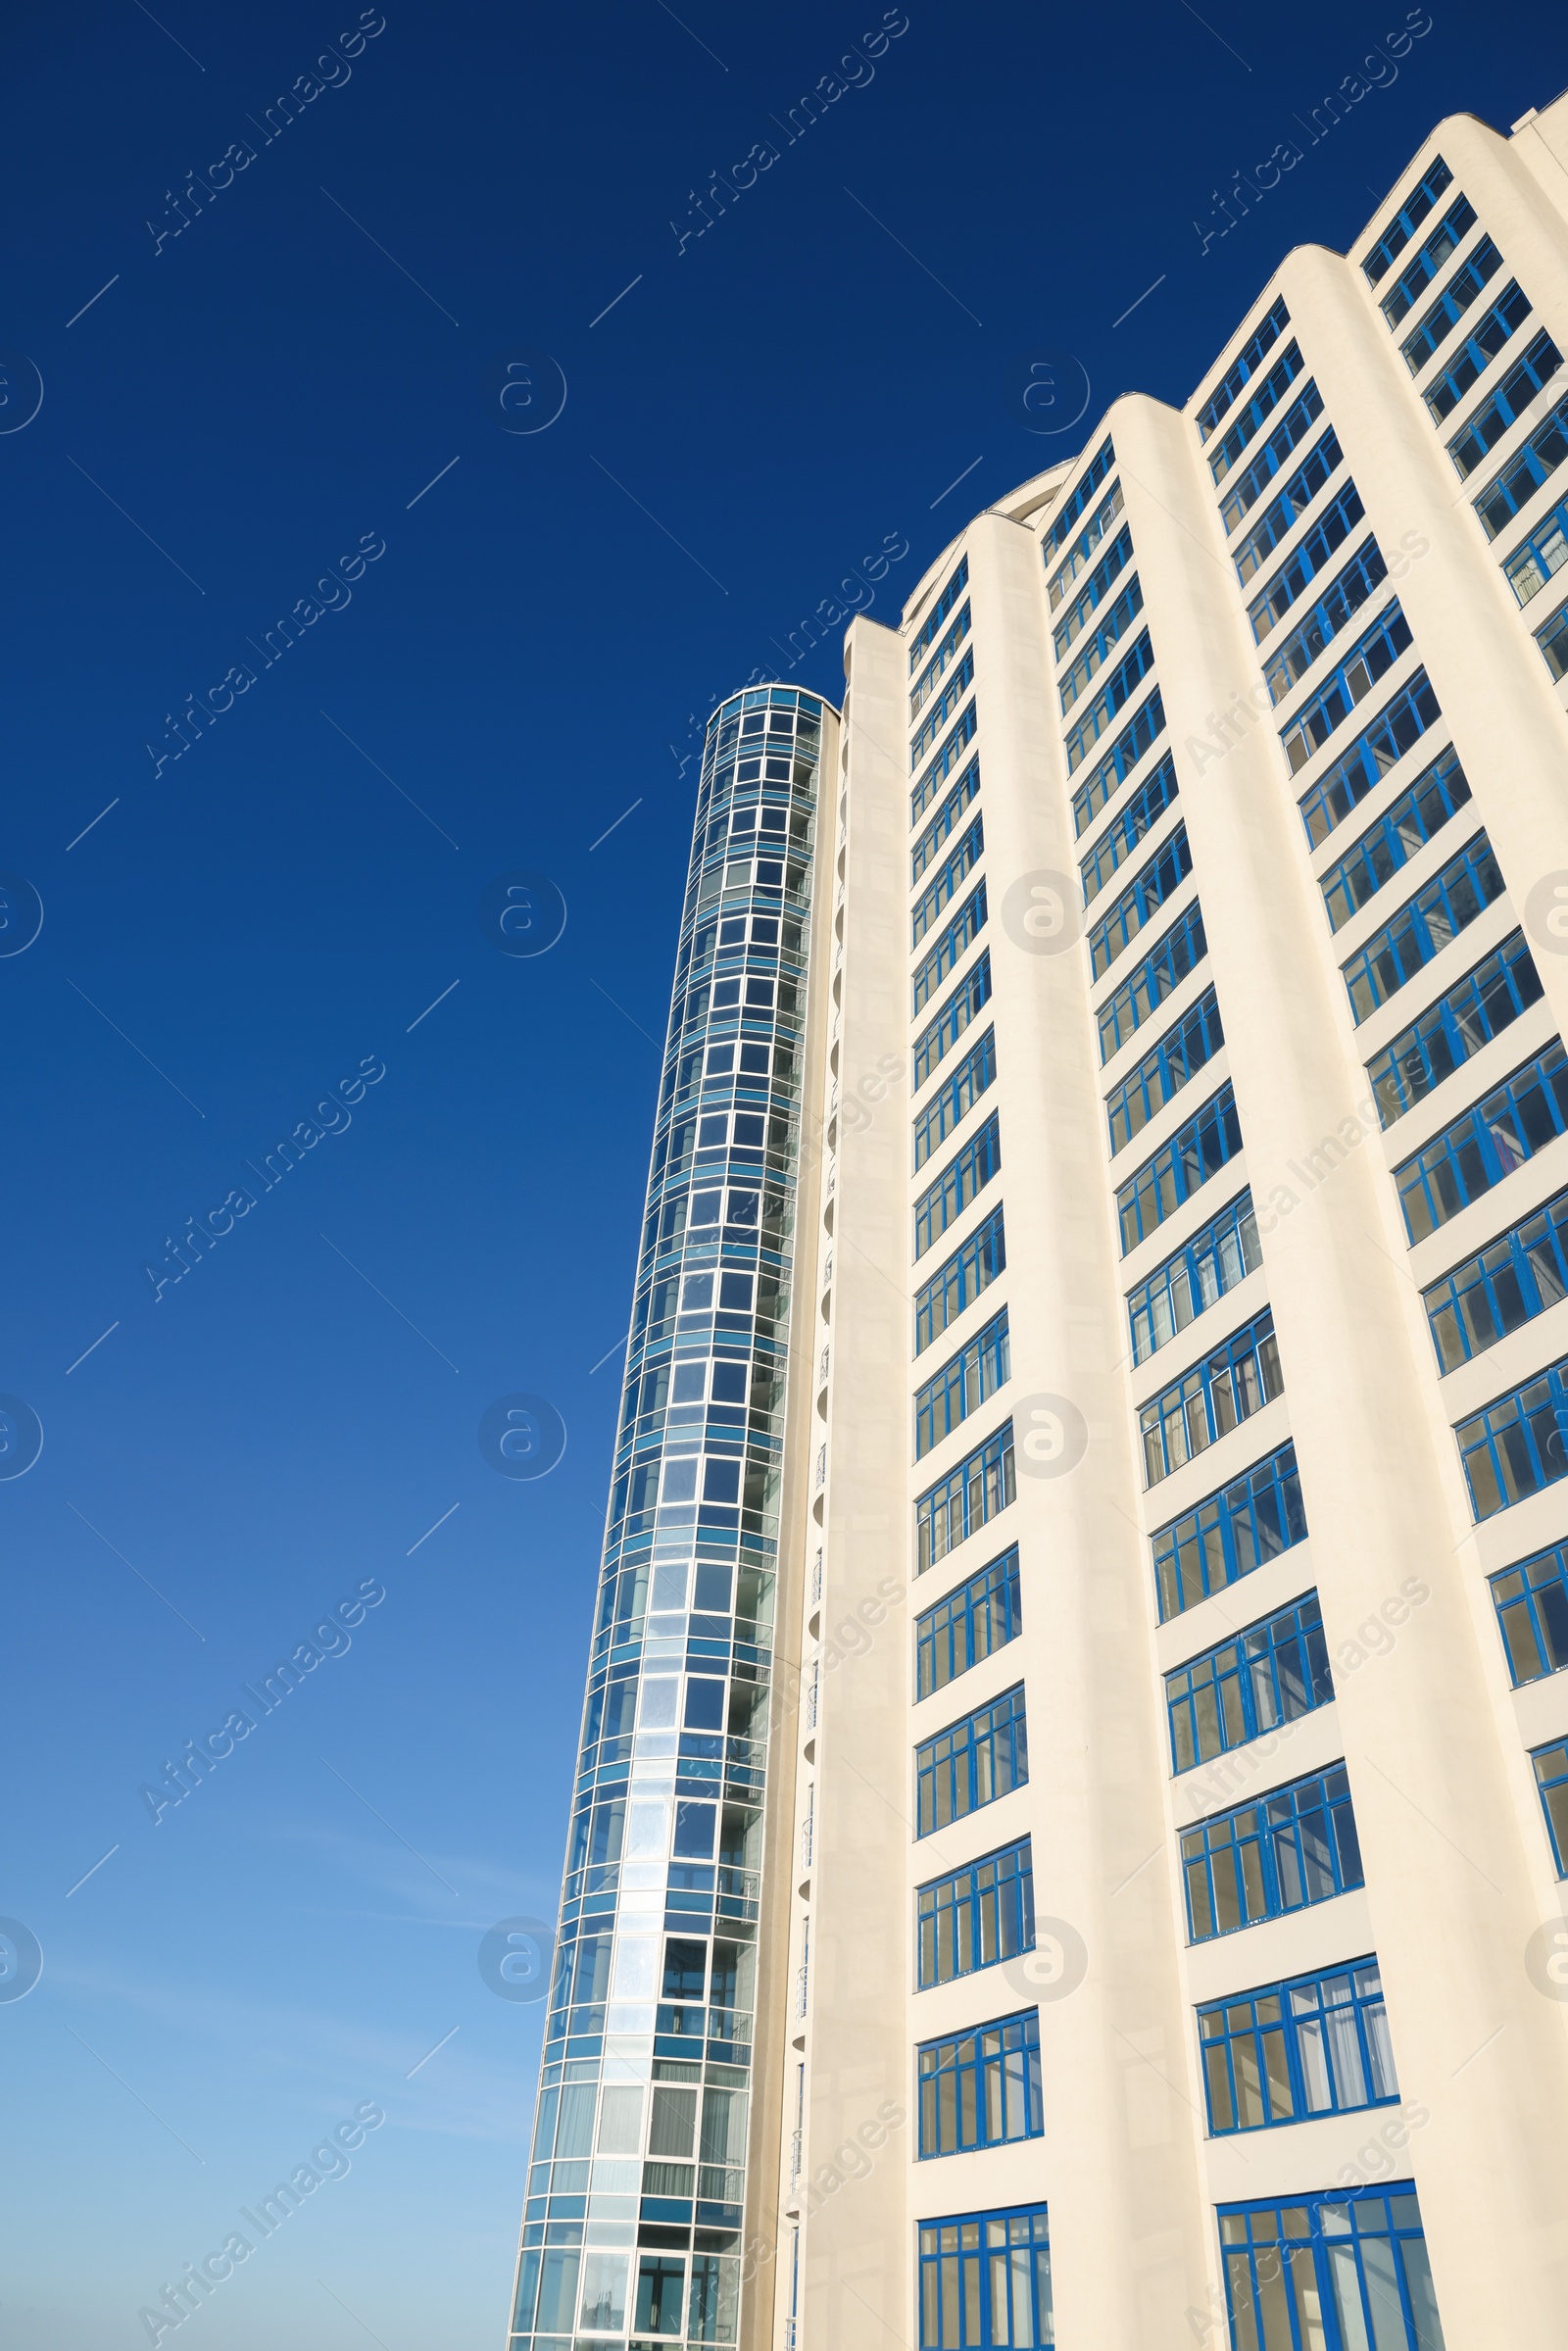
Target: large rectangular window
1318, 2044
985, 2280
1518, 1445
1164, 1070
947, 817
1113, 695
1092, 594
1531, 467
1270, 1673
1368, 660
1100, 644
1450, 305
1113, 769
1144, 896
1422, 927
1484, 1142
1532, 1605
980, 2088
972, 1763
1481, 432
965, 1174
939, 894
1488, 1000
1359, 770
1440, 246
967, 1001
1247, 1523
1334, 610
942, 709
1476, 353
968, 1380
1357, 2254
960, 934
1123, 834
1506, 1284
1416, 816
1311, 558
1197, 1151
953, 747
967, 1497
1551, 1779
1402, 228
1249, 486
1242, 368
920, 645
1552, 640
1083, 549
1195, 1278
1539, 557
976, 1917
1146, 988
956, 1097
1241, 1376
970, 1625
1288, 1849
1264, 401
971, 1269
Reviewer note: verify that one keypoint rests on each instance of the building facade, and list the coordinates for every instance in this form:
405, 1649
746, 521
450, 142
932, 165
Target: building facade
1101, 1879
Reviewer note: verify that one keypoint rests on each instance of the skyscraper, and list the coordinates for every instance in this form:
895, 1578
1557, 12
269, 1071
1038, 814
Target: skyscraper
1073, 1812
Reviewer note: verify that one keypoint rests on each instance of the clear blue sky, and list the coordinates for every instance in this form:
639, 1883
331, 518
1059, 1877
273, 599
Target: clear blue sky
252, 400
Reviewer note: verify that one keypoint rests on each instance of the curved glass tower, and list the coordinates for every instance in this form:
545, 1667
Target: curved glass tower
633, 2225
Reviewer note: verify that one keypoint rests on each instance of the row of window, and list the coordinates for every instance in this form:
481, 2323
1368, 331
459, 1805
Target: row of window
1113, 769
967, 1001
1422, 927
956, 1097
1088, 538
1164, 1070
1121, 837
1289, 584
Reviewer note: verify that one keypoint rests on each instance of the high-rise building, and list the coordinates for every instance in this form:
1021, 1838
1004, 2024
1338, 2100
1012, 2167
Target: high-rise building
1074, 1810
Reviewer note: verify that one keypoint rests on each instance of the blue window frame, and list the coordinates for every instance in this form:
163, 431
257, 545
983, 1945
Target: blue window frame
1083, 490
1539, 558
1399, 725
1553, 643
955, 1098
1532, 1605
1481, 431
1269, 1673
1476, 353
985, 2280
1551, 1779
968, 1626
1109, 568
1415, 818
1504, 1285
1486, 1142
1249, 486
1145, 725
1516, 1445
1478, 1007
972, 1763
1228, 1385
976, 1917
1197, 1151
1441, 244
931, 676
1450, 305
1242, 368
1372, 655
1098, 644
1122, 835
939, 894
1113, 695
1232, 1532
955, 744
1422, 927
1080, 553
967, 1497
1318, 2044
939, 612
942, 709
1194, 1278
965, 1174
1164, 1070
1288, 585
966, 1382
1287, 1851
1144, 896
967, 1001
947, 817
1146, 988
1334, 610
980, 2088
1264, 401
960, 935
1402, 228
971, 1269
1333, 2273
1531, 467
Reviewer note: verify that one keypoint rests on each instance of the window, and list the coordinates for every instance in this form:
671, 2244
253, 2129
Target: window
1273, 1672
957, 741
1532, 1605
947, 817
1440, 247
1450, 305
964, 1383
1360, 769
1486, 1142
1109, 568
1480, 1006
1197, 1151
972, 1763
1247, 487
1115, 766
1088, 540
1553, 643
921, 644
1084, 488
965, 1005
1242, 370
1437, 794
1240, 1377
1284, 1852
1117, 622
1504, 1286
1422, 927
977, 1916
1517, 1445
1358, 2253
980, 2088
971, 1268
960, 933
1122, 836
1395, 238
1270, 392
1485, 428
942, 710
1142, 897
1539, 557
1164, 1070
1552, 1778
1532, 465
1330, 532
969, 1497
920, 691
1144, 989
985, 2279
961, 862
1486, 339
981, 1617
955, 1187
1113, 695
1194, 1279
1367, 660
1229, 1533
955, 1098
1317, 2045
1335, 610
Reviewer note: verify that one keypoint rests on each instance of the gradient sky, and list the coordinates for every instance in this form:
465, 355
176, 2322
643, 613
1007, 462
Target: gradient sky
247, 403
